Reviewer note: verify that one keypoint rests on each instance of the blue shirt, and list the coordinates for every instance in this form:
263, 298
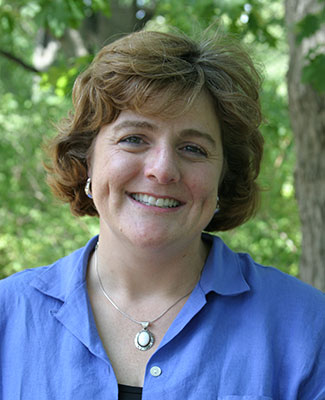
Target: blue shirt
246, 332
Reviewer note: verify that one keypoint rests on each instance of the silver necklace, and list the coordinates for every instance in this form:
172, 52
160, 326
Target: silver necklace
144, 339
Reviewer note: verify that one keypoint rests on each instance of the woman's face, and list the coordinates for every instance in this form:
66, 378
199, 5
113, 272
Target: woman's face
155, 181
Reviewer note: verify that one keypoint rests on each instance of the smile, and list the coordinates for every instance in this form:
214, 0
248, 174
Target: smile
155, 201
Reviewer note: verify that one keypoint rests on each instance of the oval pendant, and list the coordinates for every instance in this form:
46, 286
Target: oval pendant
144, 340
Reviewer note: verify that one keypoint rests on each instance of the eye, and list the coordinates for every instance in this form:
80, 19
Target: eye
194, 150
133, 143
132, 140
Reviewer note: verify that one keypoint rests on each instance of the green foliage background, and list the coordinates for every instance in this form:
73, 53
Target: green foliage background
34, 228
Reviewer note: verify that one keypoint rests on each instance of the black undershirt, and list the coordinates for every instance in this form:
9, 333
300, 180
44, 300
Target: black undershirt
129, 392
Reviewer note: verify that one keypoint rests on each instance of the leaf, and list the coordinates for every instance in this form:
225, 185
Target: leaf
313, 73
309, 25
101, 5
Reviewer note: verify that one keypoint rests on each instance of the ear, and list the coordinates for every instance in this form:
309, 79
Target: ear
90, 156
223, 171
89, 161
89, 169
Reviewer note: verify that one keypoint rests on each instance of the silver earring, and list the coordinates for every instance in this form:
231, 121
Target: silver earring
87, 188
218, 206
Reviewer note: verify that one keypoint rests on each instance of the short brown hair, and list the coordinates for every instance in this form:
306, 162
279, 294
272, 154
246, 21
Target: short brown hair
135, 71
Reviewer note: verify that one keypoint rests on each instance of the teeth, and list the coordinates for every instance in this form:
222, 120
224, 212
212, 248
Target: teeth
153, 201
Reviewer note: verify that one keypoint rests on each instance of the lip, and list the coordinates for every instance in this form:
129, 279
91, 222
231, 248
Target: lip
154, 207
158, 196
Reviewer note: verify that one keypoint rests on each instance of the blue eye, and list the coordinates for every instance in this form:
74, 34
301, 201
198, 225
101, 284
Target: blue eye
132, 140
196, 150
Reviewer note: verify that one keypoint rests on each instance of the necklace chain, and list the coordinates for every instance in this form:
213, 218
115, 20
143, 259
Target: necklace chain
143, 323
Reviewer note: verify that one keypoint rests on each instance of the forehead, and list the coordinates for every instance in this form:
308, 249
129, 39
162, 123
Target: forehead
199, 120
197, 111
168, 101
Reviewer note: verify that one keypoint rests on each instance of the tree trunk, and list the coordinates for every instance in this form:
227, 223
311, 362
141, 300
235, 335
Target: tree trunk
95, 31
99, 30
307, 113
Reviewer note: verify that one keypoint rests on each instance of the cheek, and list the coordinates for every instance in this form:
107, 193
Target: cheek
123, 171
205, 186
116, 173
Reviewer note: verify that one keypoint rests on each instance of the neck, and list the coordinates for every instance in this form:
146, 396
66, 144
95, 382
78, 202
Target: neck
131, 272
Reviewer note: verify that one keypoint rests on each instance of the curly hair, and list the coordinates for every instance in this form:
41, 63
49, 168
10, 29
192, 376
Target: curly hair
149, 71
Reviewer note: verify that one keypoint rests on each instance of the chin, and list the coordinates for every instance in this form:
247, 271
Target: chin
150, 241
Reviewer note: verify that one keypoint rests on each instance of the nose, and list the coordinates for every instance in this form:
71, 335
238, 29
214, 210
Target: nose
162, 165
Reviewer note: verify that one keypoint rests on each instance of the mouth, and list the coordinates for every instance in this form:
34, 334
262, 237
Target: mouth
160, 202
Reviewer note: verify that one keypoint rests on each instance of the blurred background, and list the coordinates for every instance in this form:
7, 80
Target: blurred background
45, 44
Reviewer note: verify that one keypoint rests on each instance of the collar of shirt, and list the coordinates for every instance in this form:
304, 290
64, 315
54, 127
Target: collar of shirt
68, 274
65, 280
222, 273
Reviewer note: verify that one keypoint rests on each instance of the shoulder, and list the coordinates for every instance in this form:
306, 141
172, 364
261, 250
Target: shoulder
279, 287
267, 281
19, 282
293, 314
268, 290
278, 317
55, 280
294, 310
18, 299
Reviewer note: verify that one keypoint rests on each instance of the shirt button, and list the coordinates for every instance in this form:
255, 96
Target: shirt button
155, 371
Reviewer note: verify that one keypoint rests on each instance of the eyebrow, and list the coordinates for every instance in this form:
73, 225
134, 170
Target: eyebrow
186, 133
135, 124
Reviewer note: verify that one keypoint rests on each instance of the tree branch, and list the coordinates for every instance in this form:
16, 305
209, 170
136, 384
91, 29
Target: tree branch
18, 61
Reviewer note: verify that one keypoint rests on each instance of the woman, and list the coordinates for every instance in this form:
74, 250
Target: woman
163, 144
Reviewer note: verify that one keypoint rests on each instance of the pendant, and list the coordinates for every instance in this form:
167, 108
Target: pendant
144, 339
